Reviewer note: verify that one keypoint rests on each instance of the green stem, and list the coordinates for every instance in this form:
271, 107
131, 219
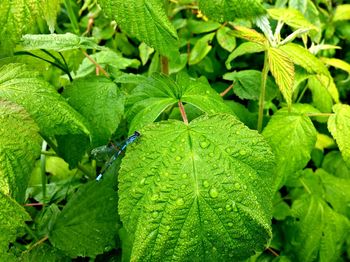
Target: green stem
30, 232
262, 92
43, 170
302, 94
72, 16
67, 67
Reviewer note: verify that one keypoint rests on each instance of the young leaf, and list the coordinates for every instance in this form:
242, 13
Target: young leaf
150, 98
145, 19
201, 191
292, 137
200, 49
88, 224
247, 85
313, 217
339, 126
242, 49
228, 10
58, 42
226, 39
337, 63
342, 13
99, 100
19, 148
12, 221
282, 68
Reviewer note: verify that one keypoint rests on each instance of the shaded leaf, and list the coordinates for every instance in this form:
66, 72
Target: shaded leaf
145, 19
200, 49
196, 191
19, 148
342, 12
226, 39
339, 126
228, 10
242, 49
292, 137
334, 163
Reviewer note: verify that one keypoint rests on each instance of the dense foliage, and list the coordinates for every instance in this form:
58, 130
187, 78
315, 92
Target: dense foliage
242, 110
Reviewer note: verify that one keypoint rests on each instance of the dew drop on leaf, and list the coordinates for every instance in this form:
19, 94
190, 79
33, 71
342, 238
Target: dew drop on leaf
206, 183
155, 214
204, 144
184, 176
213, 193
178, 158
180, 202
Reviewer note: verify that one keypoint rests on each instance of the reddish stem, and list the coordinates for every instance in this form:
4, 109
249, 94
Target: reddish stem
222, 94
183, 112
96, 64
273, 252
33, 204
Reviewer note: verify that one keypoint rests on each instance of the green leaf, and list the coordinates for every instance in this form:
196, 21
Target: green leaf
337, 63
305, 59
321, 98
19, 148
88, 224
58, 42
109, 60
342, 13
44, 253
334, 163
199, 27
292, 137
226, 39
99, 100
202, 191
145, 52
242, 49
12, 221
18, 17
280, 208
145, 19
228, 10
282, 69
291, 17
200, 49
247, 85
339, 126
50, 111
313, 217
159, 92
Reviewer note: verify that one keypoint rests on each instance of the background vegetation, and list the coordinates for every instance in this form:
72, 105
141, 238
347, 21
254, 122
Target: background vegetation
243, 112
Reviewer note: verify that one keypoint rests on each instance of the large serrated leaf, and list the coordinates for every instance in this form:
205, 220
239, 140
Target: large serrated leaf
150, 98
88, 224
339, 126
242, 49
12, 222
282, 69
50, 111
228, 10
19, 148
292, 137
17, 17
58, 42
315, 232
99, 100
201, 192
145, 19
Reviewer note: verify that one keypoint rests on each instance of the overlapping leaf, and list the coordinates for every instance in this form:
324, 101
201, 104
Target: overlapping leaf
19, 148
201, 192
228, 10
292, 137
159, 92
145, 19
242, 49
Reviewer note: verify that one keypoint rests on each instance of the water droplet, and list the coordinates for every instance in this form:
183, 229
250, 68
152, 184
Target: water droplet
213, 192
242, 152
204, 144
178, 158
184, 176
220, 209
208, 92
228, 150
228, 207
166, 174
206, 183
155, 214
237, 186
155, 197
211, 154
183, 186
180, 202
142, 182
234, 206
173, 149
230, 224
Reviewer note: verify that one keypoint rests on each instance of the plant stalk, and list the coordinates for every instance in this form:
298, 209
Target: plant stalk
43, 170
183, 112
262, 92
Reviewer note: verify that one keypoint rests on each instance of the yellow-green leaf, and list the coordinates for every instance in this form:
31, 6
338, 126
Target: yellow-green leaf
337, 63
342, 13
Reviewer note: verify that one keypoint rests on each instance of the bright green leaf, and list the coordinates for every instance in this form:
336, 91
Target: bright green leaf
228, 10
321, 98
282, 69
58, 42
342, 13
242, 49
145, 52
250, 35
339, 126
99, 100
337, 63
200, 187
19, 148
247, 85
226, 39
145, 19
292, 137
200, 49
88, 223
177, 65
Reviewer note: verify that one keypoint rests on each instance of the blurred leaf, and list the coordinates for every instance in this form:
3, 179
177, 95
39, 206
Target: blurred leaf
337, 63
19, 147
242, 49
145, 52
191, 175
226, 39
339, 126
88, 223
282, 69
58, 42
200, 49
342, 12
155, 29
228, 10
